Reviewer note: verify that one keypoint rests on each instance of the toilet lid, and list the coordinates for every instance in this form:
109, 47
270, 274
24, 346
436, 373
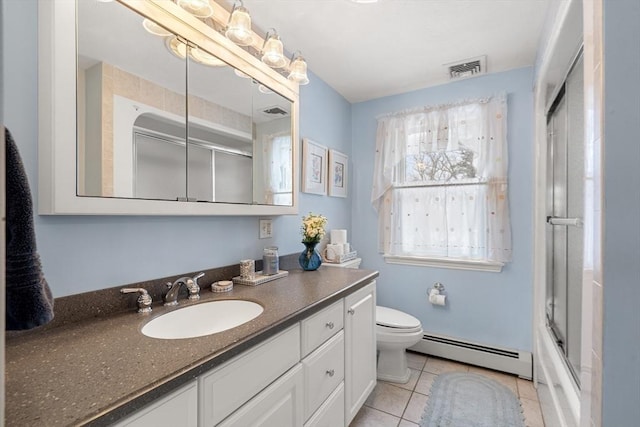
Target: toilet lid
391, 318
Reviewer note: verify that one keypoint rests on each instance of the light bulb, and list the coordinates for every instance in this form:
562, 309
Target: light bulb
298, 72
272, 52
176, 47
205, 58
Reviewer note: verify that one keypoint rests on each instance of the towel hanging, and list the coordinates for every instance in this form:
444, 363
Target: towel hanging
29, 299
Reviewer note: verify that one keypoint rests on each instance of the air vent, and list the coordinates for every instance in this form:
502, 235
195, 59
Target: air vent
467, 68
275, 111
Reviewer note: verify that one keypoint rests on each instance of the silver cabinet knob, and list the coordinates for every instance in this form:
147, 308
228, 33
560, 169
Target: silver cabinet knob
329, 325
331, 372
351, 311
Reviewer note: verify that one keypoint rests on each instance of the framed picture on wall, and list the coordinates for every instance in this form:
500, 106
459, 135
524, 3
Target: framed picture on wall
314, 167
338, 173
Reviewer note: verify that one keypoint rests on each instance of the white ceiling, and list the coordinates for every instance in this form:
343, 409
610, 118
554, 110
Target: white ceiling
366, 51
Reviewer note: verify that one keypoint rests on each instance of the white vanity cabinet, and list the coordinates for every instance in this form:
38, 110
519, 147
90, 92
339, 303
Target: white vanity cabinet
316, 373
360, 348
179, 408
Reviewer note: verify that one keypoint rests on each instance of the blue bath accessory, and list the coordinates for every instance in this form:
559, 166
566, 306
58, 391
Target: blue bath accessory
310, 258
29, 299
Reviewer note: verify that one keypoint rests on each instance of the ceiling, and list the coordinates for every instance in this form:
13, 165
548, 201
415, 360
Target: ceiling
366, 51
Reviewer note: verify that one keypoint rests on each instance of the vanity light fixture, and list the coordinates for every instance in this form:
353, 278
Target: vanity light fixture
298, 69
263, 89
239, 25
272, 50
241, 74
176, 46
154, 28
198, 8
205, 58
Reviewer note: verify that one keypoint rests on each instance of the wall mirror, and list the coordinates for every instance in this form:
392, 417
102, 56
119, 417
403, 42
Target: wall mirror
163, 125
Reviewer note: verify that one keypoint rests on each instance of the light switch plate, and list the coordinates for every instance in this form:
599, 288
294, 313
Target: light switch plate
266, 229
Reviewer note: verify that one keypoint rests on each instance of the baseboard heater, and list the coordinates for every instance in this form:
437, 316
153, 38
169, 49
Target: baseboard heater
500, 359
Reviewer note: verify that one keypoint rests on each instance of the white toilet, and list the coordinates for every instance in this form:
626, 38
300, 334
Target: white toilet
395, 332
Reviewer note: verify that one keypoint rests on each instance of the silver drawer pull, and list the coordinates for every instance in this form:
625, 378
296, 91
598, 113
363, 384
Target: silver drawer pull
331, 372
329, 325
351, 311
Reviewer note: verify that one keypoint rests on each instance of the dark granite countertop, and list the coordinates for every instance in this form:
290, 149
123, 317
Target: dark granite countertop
98, 370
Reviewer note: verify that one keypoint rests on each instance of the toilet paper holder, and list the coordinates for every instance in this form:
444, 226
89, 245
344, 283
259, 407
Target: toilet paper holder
435, 296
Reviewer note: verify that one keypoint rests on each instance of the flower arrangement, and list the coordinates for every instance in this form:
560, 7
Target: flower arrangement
313, 228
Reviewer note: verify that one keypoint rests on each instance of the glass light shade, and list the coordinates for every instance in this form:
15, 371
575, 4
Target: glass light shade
240, 73
239, 28
205, 58
272, 53
198, 8
176, 47
264, 89
154, 28
298, 71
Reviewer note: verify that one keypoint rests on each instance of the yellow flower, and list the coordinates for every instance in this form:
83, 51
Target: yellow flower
313, 227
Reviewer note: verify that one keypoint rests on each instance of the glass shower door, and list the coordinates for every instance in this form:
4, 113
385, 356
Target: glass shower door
565, 210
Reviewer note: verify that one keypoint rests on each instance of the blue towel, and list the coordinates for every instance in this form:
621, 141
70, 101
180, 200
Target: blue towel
29, 299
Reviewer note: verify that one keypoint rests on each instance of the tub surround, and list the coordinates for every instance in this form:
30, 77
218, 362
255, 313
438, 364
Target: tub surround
93, 366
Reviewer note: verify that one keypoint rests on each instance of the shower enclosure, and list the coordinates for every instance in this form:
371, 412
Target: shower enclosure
565, 211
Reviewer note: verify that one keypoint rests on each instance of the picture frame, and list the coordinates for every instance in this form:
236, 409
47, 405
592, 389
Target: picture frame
314, 167
338, 173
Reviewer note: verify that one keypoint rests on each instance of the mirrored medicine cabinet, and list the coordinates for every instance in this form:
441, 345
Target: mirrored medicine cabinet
169, 118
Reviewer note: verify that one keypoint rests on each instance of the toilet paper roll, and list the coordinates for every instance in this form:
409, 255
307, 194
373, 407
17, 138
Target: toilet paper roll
334, 251
438, 299
339, 236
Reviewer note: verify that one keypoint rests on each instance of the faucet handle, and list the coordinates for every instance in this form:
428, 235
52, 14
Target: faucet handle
194, 288
144, 299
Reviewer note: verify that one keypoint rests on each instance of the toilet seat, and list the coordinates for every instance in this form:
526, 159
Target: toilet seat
392, 320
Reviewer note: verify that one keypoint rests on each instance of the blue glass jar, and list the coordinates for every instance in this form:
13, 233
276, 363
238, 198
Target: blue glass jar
310, 258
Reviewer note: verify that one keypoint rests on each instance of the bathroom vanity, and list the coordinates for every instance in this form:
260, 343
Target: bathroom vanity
307, 360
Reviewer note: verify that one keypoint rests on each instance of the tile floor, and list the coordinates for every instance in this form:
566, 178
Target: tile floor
402, 405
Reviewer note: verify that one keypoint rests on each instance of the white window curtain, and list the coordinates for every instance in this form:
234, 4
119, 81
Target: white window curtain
440, 182
277, 169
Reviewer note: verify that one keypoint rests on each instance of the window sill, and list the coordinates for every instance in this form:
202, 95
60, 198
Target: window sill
457, 264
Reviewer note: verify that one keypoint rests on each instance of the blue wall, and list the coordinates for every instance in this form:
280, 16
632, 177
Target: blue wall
493, 308
80, 254
621, 224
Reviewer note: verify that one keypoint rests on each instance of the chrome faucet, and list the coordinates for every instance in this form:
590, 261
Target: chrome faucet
171, 297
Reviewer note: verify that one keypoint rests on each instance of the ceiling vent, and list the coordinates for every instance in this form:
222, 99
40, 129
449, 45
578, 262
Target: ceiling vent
467, 68
275, 111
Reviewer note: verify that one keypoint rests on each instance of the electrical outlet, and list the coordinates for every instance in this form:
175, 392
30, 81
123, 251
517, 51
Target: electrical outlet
266, 229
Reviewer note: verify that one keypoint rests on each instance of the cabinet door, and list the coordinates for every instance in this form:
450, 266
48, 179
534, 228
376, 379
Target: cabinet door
279, 405
179, 408
360, 348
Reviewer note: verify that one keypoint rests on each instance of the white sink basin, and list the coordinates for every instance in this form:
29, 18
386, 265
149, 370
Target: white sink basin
202, 319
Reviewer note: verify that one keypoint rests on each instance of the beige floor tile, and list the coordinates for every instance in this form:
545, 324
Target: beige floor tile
369, 417
405, 423
415, 408
532, 413
526, 390
439, 366
389, 398
411, 384
504, 379
416, 360
424, 383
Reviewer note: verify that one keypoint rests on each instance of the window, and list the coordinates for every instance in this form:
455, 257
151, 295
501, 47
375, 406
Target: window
440, 185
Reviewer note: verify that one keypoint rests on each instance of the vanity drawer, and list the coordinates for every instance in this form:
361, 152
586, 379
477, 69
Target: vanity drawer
228, 387
331, 413
323, 371
321, 326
